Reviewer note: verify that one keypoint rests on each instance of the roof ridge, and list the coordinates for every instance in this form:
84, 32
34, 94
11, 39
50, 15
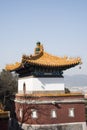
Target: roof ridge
32, 57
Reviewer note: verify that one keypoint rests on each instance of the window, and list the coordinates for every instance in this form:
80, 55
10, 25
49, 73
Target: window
20, 112
71, 112
53, 114
24, 88
34, 113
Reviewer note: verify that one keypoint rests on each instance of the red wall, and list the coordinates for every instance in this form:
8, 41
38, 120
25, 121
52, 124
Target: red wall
44, 113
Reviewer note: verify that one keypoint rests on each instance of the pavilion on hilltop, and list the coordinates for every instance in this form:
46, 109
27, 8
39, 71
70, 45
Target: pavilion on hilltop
41, 101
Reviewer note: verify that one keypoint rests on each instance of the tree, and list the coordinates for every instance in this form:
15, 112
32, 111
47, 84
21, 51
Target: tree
8, 81
8, 84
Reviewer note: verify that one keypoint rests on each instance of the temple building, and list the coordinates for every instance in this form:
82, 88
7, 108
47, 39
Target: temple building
41, 101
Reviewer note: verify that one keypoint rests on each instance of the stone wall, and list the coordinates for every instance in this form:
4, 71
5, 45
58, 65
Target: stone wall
64, 127
73, 126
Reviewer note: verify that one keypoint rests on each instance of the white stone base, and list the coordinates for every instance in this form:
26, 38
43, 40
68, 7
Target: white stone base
64, 126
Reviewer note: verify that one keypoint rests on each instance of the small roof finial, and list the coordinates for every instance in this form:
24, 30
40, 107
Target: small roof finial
38, 43
39, 48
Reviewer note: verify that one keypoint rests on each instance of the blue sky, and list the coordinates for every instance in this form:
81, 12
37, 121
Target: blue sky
60, 25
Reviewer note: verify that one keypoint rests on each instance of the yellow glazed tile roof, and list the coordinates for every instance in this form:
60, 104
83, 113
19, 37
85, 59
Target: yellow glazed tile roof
4, 114
44, 59
12, 67
54, 61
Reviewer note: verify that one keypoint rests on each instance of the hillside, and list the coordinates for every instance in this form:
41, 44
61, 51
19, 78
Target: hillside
75, 80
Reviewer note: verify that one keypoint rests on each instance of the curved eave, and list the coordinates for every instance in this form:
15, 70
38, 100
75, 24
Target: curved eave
66, 65
47, 60
13, 67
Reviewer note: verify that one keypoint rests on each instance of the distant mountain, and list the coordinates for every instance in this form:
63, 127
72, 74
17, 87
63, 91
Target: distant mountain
75, 81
